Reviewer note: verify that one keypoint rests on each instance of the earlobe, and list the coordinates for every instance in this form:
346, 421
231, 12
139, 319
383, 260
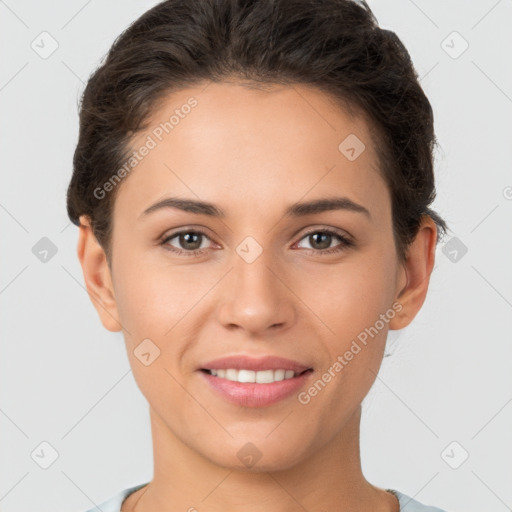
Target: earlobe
417, 269
96, 271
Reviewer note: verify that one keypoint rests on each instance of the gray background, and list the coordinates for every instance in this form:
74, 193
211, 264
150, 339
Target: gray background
445, 390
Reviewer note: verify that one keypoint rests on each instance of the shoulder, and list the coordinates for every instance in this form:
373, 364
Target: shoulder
113, 504
408, 504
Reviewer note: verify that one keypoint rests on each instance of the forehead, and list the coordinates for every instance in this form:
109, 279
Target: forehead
248, 147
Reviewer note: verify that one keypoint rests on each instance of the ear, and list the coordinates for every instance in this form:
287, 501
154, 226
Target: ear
414, 274
97, 276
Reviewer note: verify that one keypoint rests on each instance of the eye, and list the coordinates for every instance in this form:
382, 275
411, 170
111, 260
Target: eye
321, 239
190, 242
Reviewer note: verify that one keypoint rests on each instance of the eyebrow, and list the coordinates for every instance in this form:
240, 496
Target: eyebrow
295, 210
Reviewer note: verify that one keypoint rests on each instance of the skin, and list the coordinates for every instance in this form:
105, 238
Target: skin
253, 153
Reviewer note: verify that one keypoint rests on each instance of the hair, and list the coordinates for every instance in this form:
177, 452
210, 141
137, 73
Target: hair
333, 45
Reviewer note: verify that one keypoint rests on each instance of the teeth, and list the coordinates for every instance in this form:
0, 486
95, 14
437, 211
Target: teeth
261, 377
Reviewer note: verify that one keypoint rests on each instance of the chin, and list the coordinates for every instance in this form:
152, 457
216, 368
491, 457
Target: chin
256, 456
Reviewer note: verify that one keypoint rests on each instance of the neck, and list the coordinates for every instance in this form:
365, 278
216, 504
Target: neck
329, 478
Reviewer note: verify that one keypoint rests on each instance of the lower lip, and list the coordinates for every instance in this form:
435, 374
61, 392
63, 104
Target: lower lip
251, 394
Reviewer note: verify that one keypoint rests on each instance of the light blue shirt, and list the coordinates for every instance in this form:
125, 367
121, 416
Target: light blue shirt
407, 504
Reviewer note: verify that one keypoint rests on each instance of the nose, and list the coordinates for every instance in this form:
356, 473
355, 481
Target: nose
255, 297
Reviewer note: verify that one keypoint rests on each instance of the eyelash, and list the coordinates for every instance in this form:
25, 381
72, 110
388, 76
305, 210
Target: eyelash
345, 243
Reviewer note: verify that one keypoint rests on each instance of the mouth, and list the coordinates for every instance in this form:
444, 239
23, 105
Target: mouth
251, 376
255, 382
244, 391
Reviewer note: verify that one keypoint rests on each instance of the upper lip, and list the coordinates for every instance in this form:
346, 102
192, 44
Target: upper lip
244, 362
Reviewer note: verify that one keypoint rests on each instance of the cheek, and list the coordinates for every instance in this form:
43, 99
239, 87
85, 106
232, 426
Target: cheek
351, 306
157, 302
151, 297
350, 296
356, 304
152, 305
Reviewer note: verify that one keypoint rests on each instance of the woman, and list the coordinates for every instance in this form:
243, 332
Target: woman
252, 183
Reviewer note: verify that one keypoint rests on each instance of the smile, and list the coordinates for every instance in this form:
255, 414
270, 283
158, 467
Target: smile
241, 388
259, 377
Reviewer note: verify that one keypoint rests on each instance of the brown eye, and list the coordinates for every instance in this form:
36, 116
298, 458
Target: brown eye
188, 242
320, 241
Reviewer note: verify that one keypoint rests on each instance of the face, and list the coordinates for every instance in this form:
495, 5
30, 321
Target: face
265, 278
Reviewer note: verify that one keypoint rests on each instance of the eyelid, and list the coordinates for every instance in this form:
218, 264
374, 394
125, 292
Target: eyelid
319, 228
185, 229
